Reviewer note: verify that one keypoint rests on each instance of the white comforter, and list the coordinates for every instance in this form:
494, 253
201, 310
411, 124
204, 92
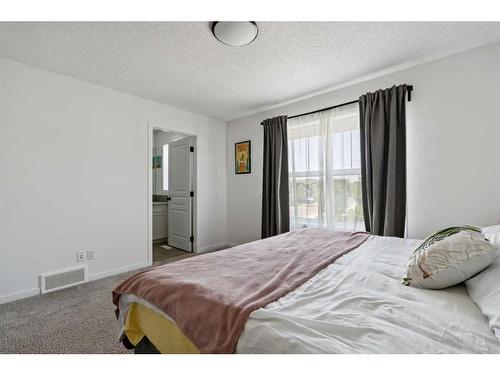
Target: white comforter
358, 305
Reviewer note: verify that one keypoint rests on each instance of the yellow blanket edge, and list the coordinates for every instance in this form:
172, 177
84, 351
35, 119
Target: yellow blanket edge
163, 333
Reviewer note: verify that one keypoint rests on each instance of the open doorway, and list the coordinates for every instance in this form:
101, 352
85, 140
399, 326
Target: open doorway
173, 195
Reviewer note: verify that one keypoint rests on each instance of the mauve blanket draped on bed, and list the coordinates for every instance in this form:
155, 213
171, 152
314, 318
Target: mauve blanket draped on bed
211, 296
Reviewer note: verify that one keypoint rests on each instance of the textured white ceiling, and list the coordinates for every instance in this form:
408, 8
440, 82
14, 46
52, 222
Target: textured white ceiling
182, 64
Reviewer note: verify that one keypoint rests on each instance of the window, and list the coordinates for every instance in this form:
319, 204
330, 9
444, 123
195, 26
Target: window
165, 167
325, 174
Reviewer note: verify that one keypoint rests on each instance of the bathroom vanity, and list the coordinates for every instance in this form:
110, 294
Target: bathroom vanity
160, 221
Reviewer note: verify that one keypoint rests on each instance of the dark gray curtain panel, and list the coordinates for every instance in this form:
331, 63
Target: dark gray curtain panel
275, 202
382, 116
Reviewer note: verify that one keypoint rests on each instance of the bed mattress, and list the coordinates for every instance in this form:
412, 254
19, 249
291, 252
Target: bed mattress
355, 305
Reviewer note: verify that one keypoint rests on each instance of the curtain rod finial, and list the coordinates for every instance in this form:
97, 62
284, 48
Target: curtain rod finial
409, 89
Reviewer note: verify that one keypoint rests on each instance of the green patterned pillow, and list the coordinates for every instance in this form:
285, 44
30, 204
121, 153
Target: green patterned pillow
449, 257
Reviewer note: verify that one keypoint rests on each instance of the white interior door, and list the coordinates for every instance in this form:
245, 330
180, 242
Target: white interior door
180, 171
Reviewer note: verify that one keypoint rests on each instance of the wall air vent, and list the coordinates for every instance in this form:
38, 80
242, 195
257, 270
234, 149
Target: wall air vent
52, 281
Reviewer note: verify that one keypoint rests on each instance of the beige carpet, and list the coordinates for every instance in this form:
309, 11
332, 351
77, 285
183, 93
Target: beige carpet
80, 319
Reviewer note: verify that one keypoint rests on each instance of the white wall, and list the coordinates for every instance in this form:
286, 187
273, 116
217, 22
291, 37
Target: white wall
453, 152
73, 172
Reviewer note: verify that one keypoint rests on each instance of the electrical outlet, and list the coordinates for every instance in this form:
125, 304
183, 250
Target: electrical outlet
90, 254
80, 256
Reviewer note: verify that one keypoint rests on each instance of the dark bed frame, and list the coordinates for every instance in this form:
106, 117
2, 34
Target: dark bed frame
143, 347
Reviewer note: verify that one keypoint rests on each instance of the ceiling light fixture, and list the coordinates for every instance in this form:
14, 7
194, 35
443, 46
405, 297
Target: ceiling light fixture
235, 34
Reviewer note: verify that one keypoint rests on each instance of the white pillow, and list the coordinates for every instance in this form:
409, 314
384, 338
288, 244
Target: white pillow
449, 257
492, 234
484, 288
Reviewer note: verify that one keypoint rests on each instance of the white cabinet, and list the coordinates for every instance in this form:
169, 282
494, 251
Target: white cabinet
160, 220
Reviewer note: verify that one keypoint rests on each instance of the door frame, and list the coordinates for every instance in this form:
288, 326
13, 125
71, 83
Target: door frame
194, 179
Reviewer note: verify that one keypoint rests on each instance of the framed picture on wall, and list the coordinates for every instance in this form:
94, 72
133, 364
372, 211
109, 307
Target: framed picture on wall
242, 157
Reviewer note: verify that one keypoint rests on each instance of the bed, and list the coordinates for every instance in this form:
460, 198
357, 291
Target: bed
356, 304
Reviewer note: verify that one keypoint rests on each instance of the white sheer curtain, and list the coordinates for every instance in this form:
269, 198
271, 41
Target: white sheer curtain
324, 166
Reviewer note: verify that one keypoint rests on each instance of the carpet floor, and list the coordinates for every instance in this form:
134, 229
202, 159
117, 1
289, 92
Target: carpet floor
80, 319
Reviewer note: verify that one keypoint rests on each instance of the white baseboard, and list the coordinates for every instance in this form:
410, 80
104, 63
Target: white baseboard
232, 244
96, 276
219, 246
100, 275
19, 295
116, 271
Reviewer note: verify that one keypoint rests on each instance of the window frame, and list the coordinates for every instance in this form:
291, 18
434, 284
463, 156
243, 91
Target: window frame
318, 174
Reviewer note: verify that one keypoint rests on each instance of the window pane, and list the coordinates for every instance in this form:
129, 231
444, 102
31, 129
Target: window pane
356, 151
348, 205
304, 206
300, 155
305, 154
347, 150
338, 151
313, 152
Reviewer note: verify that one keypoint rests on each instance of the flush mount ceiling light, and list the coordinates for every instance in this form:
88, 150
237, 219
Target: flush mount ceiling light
235, 34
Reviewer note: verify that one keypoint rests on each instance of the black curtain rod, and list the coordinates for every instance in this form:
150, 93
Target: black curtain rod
409, 89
